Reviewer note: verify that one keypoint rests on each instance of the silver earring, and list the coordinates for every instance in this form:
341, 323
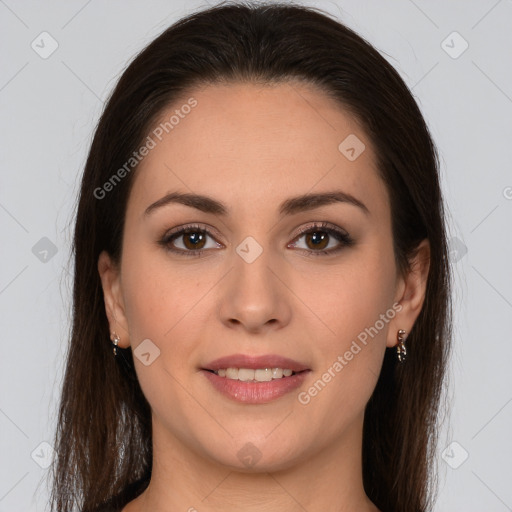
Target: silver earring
115, 340
401, 350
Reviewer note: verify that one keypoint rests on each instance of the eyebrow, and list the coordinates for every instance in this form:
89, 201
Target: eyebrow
290, 206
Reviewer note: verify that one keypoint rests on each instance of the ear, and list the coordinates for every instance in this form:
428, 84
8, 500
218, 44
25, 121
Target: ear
410, 293
112, 292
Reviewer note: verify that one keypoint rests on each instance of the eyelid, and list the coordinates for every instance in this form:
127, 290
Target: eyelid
199, 226
323, 225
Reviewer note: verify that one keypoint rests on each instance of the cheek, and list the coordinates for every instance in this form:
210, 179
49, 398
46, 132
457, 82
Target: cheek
353, 297
156, 295
167, 303
159, 307
356, 307
149, 303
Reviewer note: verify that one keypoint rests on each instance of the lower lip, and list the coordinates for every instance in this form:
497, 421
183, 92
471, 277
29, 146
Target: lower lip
255, 392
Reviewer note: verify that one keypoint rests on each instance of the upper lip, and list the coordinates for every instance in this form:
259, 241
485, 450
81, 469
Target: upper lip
255, 362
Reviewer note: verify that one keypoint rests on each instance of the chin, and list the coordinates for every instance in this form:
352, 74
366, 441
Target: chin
255, 457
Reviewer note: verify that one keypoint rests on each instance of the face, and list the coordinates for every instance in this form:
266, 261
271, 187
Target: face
261, 275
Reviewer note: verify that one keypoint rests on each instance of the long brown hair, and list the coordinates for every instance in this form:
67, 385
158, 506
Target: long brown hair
103, 437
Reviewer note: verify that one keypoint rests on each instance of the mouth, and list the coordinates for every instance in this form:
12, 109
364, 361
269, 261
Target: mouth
255, 379
264, 365
254, 375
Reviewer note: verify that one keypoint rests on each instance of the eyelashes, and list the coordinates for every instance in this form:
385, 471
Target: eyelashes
317, 233
168, 240
343, 238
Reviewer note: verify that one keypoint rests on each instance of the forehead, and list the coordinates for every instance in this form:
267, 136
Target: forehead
246, 144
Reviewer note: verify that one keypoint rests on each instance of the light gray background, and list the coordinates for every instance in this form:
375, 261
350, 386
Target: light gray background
49, 111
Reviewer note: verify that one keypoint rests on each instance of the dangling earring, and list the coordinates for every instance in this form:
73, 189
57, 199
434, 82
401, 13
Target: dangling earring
401, 351
115, 340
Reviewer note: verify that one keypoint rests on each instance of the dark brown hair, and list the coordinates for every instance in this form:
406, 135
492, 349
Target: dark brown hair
103, 438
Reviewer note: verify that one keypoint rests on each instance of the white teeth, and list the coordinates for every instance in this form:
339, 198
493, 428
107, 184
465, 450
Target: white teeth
264, 375
277, 373
245, 374
232, 373
259, 375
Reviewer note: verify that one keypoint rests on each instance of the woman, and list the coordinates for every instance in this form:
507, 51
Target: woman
261, 299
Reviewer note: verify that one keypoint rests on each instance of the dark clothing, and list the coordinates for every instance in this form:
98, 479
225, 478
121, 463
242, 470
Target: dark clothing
119, 501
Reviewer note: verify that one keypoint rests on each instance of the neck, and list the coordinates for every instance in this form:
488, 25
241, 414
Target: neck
182, 479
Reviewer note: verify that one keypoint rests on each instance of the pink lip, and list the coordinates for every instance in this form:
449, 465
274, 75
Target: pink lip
255, 392
255, 362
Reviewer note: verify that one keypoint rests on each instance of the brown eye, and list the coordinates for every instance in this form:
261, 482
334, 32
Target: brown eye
190, 240
318, 238
193, 240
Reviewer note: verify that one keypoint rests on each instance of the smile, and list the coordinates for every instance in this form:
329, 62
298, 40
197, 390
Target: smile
254, 375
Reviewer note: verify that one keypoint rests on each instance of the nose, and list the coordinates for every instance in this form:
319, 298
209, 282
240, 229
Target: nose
254, 299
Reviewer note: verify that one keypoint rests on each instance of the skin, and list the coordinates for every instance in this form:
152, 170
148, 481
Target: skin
251, 147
